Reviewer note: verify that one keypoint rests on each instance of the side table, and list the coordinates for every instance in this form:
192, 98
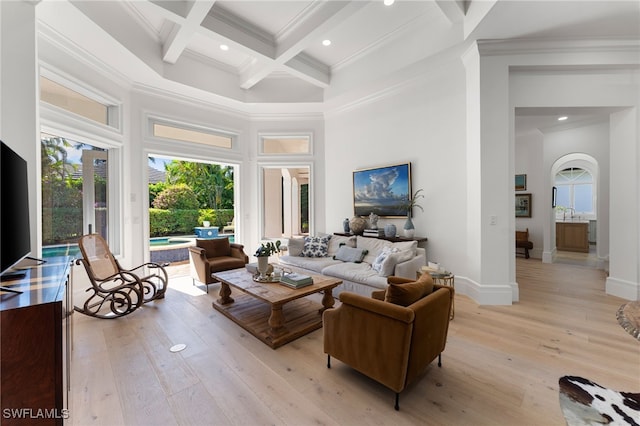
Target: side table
442, 278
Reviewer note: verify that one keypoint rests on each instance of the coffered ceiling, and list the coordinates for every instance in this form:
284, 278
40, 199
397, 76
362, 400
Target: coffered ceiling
244, 53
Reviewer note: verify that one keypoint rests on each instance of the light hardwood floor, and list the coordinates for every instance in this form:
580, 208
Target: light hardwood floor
501, 365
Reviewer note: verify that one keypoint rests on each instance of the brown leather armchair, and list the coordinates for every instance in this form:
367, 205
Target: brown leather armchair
387, 342
214, 255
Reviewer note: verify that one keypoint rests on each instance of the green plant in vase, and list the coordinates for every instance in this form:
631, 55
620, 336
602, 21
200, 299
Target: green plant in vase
262, 253
408, 206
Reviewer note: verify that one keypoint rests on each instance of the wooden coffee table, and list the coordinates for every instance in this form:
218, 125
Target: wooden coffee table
272, 312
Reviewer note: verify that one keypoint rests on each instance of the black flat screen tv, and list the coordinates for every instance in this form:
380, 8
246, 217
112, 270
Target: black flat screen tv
14, 209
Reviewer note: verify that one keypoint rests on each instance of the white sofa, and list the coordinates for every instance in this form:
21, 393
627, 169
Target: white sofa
401, 259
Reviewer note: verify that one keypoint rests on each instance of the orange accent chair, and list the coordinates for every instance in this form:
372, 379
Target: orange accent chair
214, 255
390, 339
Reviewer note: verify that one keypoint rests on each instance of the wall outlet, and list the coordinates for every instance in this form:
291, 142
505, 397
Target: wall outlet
493, 220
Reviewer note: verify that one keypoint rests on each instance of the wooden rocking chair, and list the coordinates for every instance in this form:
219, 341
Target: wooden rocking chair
117, 291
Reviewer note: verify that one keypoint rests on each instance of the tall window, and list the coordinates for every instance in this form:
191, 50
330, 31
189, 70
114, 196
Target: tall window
574, 192
74, 193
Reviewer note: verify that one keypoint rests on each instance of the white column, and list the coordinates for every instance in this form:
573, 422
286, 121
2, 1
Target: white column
624, 270
490, 200
19, 97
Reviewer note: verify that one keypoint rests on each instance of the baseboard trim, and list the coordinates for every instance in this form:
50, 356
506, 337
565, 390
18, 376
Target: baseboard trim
487, 294
622, 288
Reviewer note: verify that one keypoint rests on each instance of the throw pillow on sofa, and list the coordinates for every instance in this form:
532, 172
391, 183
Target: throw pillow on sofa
381, 259
404, 294
388, 266
336, 241
350, 254
295, 246
316, 246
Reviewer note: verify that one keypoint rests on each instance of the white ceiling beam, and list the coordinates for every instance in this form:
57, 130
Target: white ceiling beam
239, 34
182, 33
309, 70
314, 26
454, 10
324, 17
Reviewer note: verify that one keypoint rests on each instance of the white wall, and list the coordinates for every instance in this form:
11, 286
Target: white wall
421, 123
19, 123
529, 161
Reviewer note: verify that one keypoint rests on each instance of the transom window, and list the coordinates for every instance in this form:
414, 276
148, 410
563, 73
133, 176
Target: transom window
285, 144
72, 101
167, 131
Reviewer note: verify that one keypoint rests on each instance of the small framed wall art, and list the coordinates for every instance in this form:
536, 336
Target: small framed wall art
521, 182
523, 205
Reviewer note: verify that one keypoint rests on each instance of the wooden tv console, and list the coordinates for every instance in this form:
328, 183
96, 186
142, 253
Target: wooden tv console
36, 338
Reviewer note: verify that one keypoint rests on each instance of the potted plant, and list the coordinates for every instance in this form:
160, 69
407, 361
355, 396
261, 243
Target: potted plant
262, 253
408, 206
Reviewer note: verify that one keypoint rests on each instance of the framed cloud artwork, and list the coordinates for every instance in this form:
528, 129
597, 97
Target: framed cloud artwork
382, 190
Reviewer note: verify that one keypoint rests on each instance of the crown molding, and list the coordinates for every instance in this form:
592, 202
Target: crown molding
298, 21
79, 54
146, 25
522, 46
287, 116
217, 105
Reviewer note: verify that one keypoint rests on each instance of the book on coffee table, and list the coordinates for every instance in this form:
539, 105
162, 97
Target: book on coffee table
296, 280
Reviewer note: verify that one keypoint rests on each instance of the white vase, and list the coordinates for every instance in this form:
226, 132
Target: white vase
408, 228
206, 223
263, 266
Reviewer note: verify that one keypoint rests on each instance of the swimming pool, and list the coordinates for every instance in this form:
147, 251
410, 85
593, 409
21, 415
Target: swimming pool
156, 245
61, 250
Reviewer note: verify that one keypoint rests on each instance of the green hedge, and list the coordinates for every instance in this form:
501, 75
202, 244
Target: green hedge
61, 225
173, 222
169, 222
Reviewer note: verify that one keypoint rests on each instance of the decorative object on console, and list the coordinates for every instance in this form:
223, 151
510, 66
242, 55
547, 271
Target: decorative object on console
408, 205
345, 225
373, 220
373, 233
389, 230
357, 225
378, 190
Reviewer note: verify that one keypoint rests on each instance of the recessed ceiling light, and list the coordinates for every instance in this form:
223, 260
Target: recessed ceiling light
224, 47
562, 118
388, 2
326, 42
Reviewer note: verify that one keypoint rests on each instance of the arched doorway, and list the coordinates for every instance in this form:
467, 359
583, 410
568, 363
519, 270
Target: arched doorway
574, 232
